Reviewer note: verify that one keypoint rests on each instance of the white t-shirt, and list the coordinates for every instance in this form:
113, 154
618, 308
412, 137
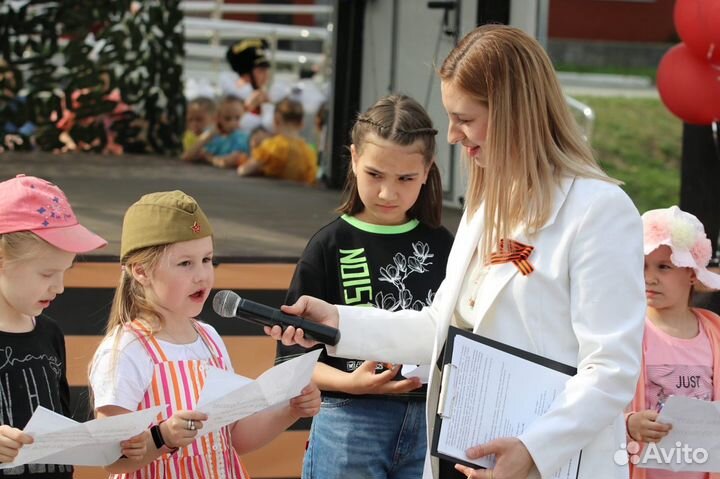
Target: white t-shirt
121, 379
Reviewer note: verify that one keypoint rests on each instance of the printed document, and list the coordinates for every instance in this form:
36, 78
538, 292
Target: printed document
227, 397
491, 390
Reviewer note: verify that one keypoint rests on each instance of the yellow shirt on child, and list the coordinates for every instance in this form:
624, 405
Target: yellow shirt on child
189, 139
287, 158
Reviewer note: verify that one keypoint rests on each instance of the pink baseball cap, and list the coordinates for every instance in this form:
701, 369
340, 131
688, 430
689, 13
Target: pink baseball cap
32, 204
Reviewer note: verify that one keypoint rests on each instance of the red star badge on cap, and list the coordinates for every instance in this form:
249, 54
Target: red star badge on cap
196, 227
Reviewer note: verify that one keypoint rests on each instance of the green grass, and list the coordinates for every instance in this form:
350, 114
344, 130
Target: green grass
638, 141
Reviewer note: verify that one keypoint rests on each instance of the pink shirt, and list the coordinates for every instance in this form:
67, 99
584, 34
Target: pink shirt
676, 367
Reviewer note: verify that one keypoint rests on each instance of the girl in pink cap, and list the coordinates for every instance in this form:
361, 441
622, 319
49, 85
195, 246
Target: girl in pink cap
681, 345
39, 238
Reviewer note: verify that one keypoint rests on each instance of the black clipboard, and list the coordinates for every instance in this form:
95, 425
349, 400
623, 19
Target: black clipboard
445, 359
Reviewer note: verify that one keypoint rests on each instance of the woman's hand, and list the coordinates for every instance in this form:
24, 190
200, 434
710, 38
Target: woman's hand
182, 427
136, 447
307, 404
309, 308
11, 440
255, 99
643, 426
364, 380
512, 460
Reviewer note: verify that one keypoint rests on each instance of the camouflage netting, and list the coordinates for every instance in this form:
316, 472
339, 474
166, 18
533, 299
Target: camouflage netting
93, 75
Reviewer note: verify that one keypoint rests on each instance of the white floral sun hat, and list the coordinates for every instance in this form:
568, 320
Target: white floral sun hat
685, 236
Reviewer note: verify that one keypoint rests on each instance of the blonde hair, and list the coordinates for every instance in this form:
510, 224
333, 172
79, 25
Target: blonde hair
130, 302
20, 246
532, 138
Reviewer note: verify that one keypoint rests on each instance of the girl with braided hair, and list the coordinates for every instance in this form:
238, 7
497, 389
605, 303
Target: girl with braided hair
387, 250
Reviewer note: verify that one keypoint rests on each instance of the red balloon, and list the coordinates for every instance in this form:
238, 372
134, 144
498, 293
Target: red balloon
689, 87
698, 24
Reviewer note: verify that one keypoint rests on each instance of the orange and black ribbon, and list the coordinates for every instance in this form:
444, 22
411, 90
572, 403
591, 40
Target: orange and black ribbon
515, 252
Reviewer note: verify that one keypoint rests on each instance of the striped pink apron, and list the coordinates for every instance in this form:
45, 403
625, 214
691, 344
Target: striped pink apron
178, 385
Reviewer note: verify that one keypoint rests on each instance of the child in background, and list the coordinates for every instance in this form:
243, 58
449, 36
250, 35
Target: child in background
156, 353
198, 117
321, 119
257, 136
681, 345
226, 145
387, 250
286, 155
39, 238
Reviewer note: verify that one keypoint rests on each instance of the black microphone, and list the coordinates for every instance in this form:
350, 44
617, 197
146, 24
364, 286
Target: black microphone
229, 305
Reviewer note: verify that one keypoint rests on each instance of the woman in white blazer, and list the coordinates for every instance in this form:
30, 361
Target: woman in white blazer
579, 297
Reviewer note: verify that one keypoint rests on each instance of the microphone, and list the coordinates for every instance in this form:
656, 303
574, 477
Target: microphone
229, 305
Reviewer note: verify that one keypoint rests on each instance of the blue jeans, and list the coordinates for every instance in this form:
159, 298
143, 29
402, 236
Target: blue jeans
366, 438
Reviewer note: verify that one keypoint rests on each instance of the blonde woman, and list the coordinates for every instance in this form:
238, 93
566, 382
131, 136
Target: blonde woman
533, 181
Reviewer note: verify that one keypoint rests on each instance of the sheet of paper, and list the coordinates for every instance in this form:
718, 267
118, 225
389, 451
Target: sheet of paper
414, 371
693, 443
492, 394
60, 440
226, 397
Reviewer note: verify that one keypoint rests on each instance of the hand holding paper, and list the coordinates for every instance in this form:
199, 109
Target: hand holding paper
512, 458
307, 404
490, 393
60, 440
176, 431
693, 443
11, 440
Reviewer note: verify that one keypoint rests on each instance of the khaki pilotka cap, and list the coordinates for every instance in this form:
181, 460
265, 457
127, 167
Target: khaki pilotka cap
162, 218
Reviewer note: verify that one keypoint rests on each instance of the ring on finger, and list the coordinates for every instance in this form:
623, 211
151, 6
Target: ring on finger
190, 425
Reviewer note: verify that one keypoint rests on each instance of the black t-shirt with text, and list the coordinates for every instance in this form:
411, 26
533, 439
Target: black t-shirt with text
32, 374
350, 262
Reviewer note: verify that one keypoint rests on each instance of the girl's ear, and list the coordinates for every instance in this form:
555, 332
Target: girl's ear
693, 277
354, 157
139, 274
427, 169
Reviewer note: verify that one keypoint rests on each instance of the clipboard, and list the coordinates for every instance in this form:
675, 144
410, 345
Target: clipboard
446, 402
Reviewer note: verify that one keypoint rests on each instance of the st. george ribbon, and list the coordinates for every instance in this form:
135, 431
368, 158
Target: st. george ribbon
229, 305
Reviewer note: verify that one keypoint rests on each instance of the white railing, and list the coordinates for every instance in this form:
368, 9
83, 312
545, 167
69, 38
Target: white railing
221, 7
234, 29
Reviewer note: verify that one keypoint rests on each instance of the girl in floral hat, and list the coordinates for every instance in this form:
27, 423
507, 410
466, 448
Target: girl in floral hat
681, 346
387, 250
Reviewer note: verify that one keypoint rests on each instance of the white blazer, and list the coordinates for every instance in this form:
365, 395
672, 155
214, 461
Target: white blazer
584, 306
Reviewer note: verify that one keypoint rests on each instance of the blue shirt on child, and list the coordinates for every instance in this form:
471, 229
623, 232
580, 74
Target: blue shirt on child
221, 145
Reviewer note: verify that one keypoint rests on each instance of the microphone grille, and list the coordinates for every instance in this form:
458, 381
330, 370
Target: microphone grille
225, 303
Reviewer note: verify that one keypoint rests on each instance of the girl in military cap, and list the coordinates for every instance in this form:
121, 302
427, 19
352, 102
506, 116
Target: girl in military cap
156, 353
